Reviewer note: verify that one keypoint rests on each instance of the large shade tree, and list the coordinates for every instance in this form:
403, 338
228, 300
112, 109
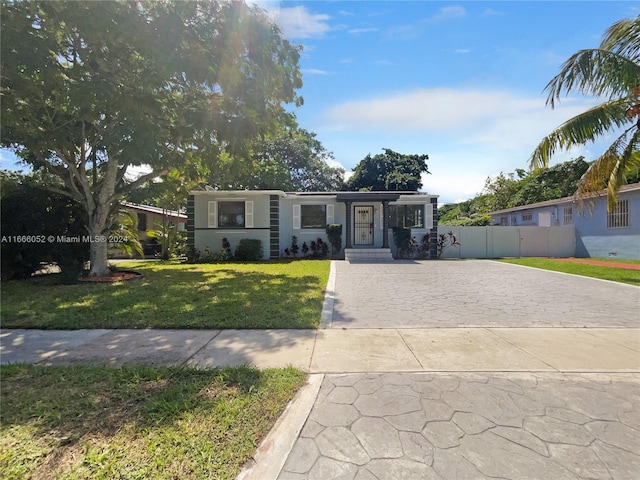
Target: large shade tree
90, 89
389, 171
611, 71
292, 159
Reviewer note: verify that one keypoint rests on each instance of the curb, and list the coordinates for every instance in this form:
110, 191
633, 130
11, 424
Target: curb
275, 448
329, 296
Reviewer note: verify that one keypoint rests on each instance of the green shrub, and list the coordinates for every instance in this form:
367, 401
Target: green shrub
402, 240
334, 234
249, 250
209, 256
32, 220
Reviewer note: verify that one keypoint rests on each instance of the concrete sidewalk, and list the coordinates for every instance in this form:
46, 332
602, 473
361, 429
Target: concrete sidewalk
338, 350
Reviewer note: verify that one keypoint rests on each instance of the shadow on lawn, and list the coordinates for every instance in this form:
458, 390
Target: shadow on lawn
185, 297
80, 410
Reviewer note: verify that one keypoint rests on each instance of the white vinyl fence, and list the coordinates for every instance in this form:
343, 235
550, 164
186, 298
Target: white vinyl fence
499, 241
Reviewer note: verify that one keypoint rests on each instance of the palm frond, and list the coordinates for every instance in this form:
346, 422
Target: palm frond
595, 72
581, 129
623, 37
126, 228
608, 171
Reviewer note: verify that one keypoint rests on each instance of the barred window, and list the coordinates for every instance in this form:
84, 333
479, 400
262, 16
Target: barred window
619, 216
568, 215
527, 217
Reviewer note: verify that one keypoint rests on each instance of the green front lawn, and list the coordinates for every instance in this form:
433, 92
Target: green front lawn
172, 295
632, 277
136, 422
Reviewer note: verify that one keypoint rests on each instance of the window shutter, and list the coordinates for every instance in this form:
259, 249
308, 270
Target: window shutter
428, 215
329, 214
213, 215
248, 214
296, 217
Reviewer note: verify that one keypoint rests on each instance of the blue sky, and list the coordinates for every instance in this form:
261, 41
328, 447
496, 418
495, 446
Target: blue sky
460, 81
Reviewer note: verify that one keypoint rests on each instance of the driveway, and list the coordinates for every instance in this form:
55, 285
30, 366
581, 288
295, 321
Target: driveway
475, 293
496, 401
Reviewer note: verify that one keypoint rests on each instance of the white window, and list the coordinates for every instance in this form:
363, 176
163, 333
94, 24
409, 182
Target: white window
230, 214
619, 216
407, 216
313, 216
568, 216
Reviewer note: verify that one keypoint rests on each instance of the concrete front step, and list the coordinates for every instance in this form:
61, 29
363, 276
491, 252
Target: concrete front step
368, 255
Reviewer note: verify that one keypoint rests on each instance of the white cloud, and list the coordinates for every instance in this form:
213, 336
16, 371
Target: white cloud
453, 187
314, 71
297, 22
479, 115
453, 11
469, 134
402, 32
358, 31
490, 12
461, 51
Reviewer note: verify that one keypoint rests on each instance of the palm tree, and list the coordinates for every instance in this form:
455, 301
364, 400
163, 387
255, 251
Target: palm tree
611, 71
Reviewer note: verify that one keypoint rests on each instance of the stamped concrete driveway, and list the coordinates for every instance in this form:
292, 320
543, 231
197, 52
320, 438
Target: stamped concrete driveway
501, 397
475, 293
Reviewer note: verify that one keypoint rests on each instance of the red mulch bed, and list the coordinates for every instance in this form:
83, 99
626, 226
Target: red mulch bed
113, 277
601, 263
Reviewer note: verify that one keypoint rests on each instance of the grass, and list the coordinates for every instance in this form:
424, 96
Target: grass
136, 422
172, 295
632, 277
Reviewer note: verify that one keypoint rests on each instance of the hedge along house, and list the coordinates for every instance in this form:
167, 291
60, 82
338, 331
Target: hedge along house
274, 217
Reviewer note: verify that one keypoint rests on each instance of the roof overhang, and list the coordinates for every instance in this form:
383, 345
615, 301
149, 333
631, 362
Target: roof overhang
368, 196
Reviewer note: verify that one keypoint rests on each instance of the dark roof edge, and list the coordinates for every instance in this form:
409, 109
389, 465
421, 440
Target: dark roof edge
625, 188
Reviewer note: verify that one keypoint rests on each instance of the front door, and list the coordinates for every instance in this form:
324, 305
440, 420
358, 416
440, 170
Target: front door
363, 225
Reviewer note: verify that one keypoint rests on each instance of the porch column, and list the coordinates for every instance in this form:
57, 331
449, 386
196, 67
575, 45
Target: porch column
348, 226
433, 233
385, 224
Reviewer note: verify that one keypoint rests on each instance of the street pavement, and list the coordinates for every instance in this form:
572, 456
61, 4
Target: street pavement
447, 370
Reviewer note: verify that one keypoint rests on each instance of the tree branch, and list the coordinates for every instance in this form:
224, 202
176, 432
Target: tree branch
139, 181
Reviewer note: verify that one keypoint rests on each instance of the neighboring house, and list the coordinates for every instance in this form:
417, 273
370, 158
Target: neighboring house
598, 233
274, 217
148, 219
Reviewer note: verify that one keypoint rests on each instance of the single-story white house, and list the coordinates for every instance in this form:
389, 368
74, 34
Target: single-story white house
274, 217
598, 233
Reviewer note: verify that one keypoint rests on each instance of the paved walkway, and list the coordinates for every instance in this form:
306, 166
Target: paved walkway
470, 426
476, 293
424, 370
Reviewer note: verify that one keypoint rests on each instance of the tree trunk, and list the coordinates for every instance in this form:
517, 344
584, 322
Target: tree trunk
99, 233
98, 257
